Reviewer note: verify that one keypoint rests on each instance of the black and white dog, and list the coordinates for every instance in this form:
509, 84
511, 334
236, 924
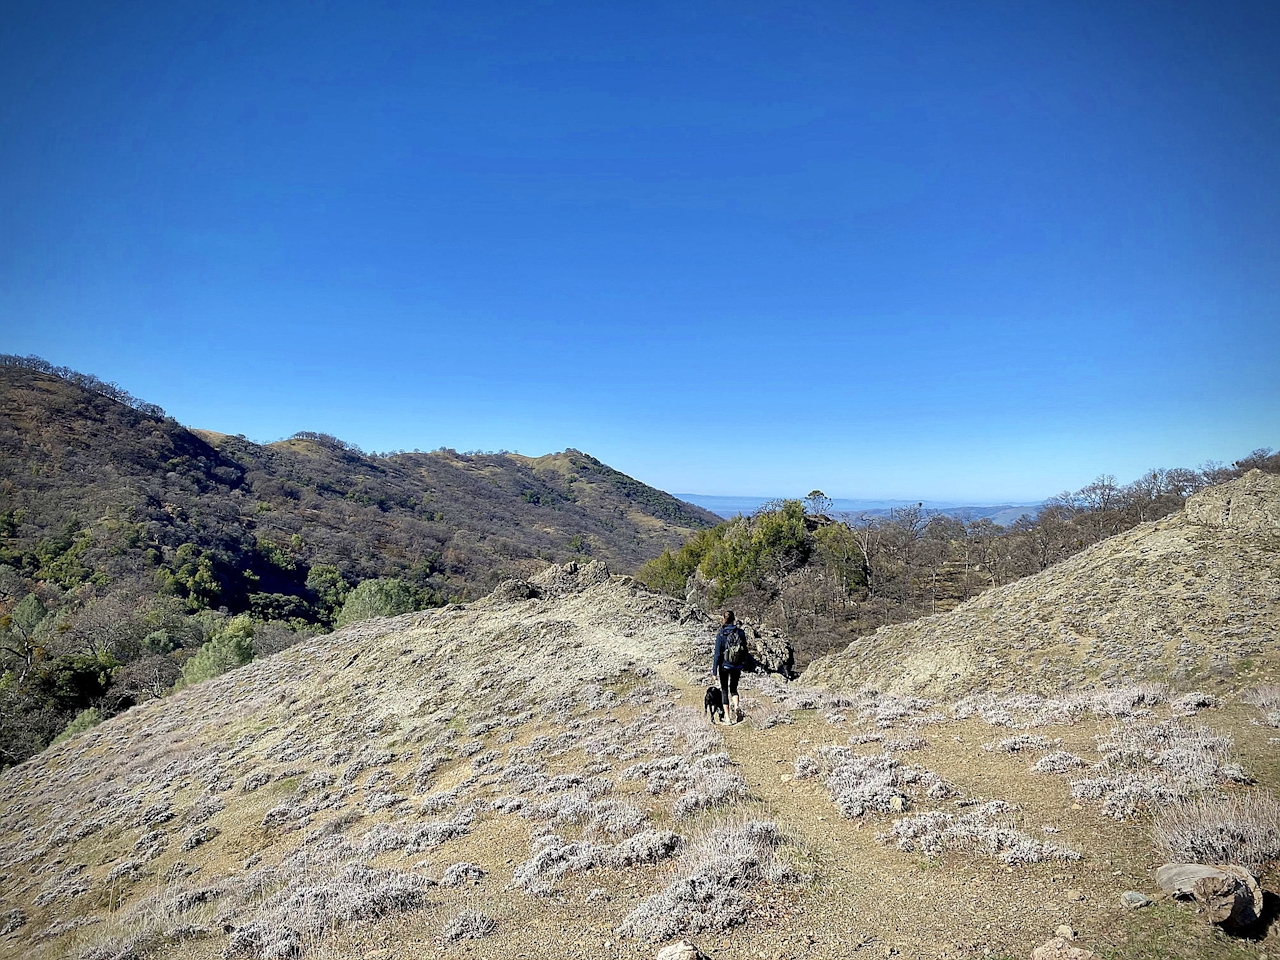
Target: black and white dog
713, 703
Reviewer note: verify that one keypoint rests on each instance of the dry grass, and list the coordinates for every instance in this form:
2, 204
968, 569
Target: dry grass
1243, 829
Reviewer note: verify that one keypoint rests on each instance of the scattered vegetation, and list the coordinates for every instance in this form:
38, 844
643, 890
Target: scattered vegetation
713, 881
985, 830
826, 579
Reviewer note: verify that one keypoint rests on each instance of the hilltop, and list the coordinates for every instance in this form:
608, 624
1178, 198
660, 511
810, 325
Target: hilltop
1192, 599
129, 543
531, 775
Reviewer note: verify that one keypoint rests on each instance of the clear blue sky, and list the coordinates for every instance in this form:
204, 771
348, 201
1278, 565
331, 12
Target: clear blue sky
978, 251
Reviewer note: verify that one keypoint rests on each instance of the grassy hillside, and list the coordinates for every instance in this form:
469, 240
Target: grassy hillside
1192, 599
128, 542
535, 777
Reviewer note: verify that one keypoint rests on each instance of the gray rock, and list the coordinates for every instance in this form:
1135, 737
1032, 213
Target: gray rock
1135, 900
567, 578
1249, 505
512, 590
1065, 932
1228, 895
684, 950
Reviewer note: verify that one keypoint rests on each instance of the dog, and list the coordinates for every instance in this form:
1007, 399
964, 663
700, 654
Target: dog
713, 703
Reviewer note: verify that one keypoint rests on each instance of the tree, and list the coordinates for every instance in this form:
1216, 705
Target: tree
380, 597
230, 647
19, 641
330, 588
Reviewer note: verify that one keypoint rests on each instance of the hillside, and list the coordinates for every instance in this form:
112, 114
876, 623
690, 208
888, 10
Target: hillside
1193, 599
531, 775
129, 542
135, 483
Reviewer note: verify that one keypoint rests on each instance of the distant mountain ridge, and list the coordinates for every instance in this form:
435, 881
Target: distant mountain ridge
136, 553
1003, 514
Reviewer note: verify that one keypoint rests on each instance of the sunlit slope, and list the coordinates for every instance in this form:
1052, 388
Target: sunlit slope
1193, 599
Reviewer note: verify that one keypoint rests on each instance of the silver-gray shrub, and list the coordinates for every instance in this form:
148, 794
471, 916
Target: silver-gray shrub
1145, 765
1191, 703
1242, 829
985, 830
468, 925
459, 873
712, 878
649, 846
553, 857
1060, 761
1021, 743
293, 918
881, 783
1266, 697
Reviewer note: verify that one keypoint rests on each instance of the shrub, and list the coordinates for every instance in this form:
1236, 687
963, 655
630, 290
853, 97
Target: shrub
978, 831
553, 857
708, 892
1021, 743
468, 925
1266, 698
1059, 761
230, 647
82, 722
1190, 703
1243, 829
649, 846
380, 597
460, 873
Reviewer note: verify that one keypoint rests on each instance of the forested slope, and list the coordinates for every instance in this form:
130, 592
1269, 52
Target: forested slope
128, 542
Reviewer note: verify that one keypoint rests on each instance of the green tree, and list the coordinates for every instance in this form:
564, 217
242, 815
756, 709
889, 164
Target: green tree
230, 647
82, 722
381, 597
330, 588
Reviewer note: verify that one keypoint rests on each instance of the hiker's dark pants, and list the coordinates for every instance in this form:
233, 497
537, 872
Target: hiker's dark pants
729, 683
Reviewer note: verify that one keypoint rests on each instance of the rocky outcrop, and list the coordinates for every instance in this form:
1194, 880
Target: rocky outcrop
1226, 894
1191, 600
566, 578
1248, 506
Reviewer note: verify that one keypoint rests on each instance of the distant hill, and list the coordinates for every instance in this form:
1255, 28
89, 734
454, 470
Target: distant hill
1189, 599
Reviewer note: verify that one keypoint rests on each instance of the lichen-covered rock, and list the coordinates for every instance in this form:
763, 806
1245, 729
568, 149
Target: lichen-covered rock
1060, 949
1250, 505
571, 577
1226, 894
684, 950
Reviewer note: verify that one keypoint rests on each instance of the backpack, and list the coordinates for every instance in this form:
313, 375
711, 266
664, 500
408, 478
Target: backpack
735, 648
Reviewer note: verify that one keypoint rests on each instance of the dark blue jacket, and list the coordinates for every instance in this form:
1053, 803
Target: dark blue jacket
722, 639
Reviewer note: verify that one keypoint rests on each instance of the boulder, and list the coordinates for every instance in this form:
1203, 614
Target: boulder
684, 950
771, 650
560, 579
1134, 900
1249, 504
1060, 949
512, 590
1226, 894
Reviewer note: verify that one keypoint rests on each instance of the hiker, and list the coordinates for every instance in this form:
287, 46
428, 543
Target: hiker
731, 656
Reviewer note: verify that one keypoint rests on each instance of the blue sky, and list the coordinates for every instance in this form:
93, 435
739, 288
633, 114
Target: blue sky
957, 251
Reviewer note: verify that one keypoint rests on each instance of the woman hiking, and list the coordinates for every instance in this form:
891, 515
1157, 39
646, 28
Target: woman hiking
730, 657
